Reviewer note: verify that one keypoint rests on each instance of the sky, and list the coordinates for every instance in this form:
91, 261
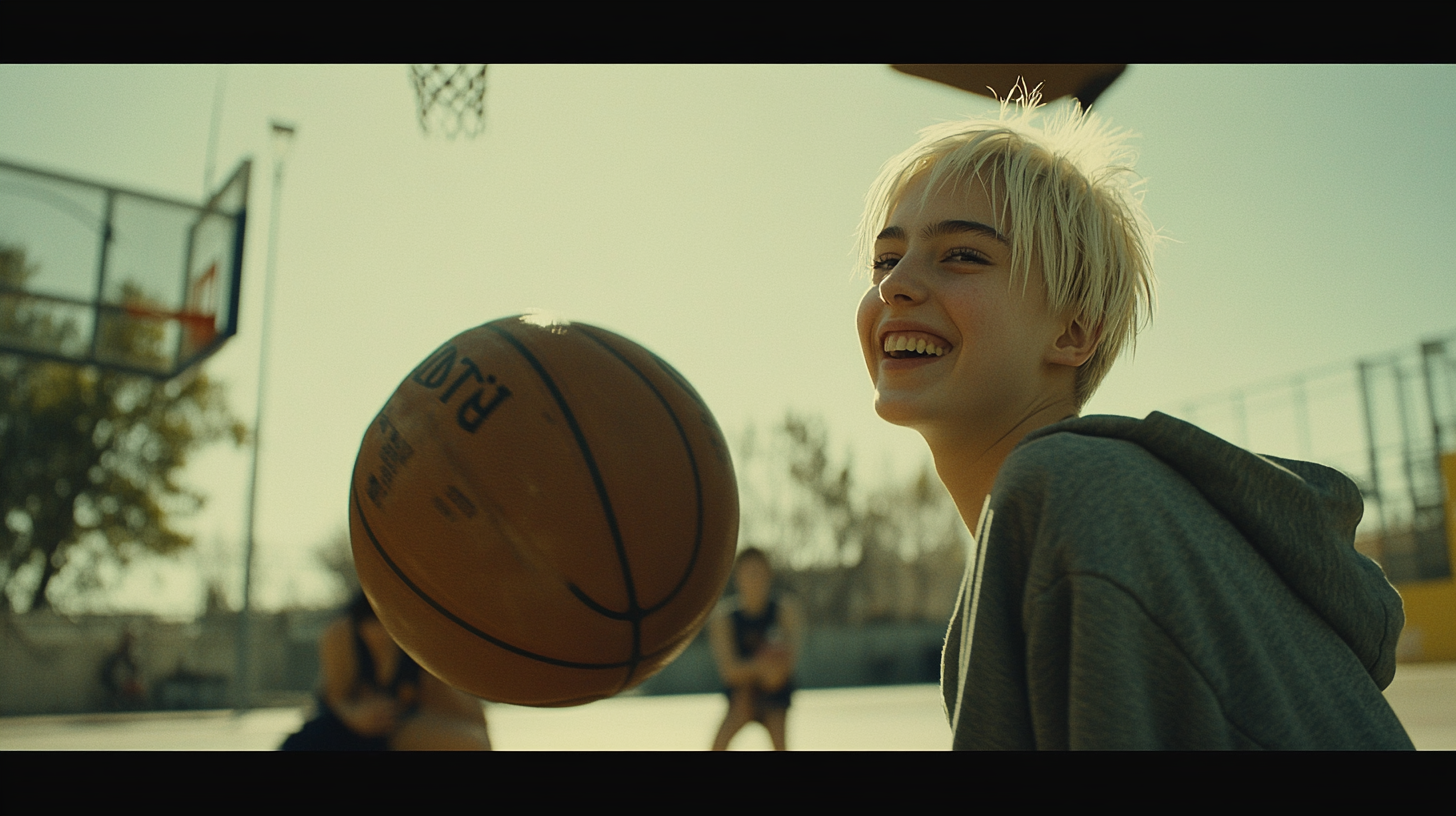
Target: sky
708, 212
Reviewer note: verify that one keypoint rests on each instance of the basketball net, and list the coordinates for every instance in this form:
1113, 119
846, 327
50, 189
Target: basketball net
451, 98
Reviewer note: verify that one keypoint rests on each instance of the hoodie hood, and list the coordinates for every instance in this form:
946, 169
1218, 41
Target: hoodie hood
1300, 516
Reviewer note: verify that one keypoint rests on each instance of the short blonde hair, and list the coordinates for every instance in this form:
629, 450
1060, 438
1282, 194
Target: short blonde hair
1067, 197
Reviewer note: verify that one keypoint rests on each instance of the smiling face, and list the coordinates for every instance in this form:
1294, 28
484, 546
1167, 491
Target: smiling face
943, 277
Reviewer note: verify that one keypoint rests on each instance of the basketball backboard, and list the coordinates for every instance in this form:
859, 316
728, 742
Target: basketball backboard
92, 274
1086, 82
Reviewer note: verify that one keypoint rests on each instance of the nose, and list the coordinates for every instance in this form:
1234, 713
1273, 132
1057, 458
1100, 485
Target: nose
904, 286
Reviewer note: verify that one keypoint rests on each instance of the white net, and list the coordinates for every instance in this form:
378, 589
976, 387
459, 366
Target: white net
451, 98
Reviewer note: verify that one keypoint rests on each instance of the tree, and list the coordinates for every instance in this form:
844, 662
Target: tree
892, 553
89, 458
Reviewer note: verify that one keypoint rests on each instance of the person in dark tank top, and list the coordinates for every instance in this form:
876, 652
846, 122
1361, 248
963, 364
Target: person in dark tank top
756, 641
376, 698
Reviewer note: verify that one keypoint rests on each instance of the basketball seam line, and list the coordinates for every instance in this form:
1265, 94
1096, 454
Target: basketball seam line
463, 624
591, 464
634, 609
692, 463
591, 604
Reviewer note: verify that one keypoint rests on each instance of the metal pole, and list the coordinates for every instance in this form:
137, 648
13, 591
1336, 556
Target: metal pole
211, 161
1407, 457
1242, 417
1435, 511
98, 322
242, 680
1430, 349
1373, 492
1301, 419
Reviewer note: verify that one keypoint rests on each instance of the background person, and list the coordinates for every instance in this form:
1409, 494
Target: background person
756, 640
376, 698
121, 676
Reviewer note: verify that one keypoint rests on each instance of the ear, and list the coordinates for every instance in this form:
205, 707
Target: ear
1076, 344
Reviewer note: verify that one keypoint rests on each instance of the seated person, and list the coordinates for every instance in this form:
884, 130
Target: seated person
375, 698
121, 676
756, 644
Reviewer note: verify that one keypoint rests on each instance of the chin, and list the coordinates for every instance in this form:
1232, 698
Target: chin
896, 411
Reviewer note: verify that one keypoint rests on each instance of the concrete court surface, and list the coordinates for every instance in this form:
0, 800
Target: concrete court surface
856, 719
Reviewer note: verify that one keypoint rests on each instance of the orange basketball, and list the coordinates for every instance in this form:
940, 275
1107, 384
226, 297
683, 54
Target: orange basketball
543, 514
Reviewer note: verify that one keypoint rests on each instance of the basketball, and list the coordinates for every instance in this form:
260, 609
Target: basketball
543, 513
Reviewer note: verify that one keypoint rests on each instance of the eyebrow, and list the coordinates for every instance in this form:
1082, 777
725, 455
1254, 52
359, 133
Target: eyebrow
951, 227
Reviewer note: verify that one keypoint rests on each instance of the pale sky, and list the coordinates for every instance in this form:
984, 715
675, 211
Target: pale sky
707, 212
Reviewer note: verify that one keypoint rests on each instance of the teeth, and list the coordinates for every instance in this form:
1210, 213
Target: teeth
899, 342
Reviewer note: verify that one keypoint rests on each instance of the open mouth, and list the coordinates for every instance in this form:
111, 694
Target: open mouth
912, 345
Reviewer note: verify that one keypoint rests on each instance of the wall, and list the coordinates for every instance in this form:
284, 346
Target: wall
51, 664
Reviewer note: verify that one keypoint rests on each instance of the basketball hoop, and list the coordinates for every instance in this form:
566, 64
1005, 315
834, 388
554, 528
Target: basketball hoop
198, 329
451, 98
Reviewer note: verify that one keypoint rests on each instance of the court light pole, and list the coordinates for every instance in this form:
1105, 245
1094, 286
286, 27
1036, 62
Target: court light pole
242, 675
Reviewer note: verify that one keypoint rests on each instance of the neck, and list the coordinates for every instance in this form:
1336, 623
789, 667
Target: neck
968, 462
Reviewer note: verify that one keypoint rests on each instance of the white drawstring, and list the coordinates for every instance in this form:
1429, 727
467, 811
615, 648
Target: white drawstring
970, 598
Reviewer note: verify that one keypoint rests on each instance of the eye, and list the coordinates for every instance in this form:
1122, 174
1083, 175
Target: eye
968, 255
882, 266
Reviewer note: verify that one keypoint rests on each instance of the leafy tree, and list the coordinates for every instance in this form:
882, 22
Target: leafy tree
89, 458
892, 553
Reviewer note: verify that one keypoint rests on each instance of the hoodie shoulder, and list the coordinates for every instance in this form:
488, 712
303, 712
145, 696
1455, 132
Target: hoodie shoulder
1122, 479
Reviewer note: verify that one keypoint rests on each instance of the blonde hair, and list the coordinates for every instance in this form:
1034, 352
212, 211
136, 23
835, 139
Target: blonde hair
1067, 197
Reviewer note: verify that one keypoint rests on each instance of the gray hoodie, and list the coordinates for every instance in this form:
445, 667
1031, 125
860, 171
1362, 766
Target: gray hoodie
1144, 584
